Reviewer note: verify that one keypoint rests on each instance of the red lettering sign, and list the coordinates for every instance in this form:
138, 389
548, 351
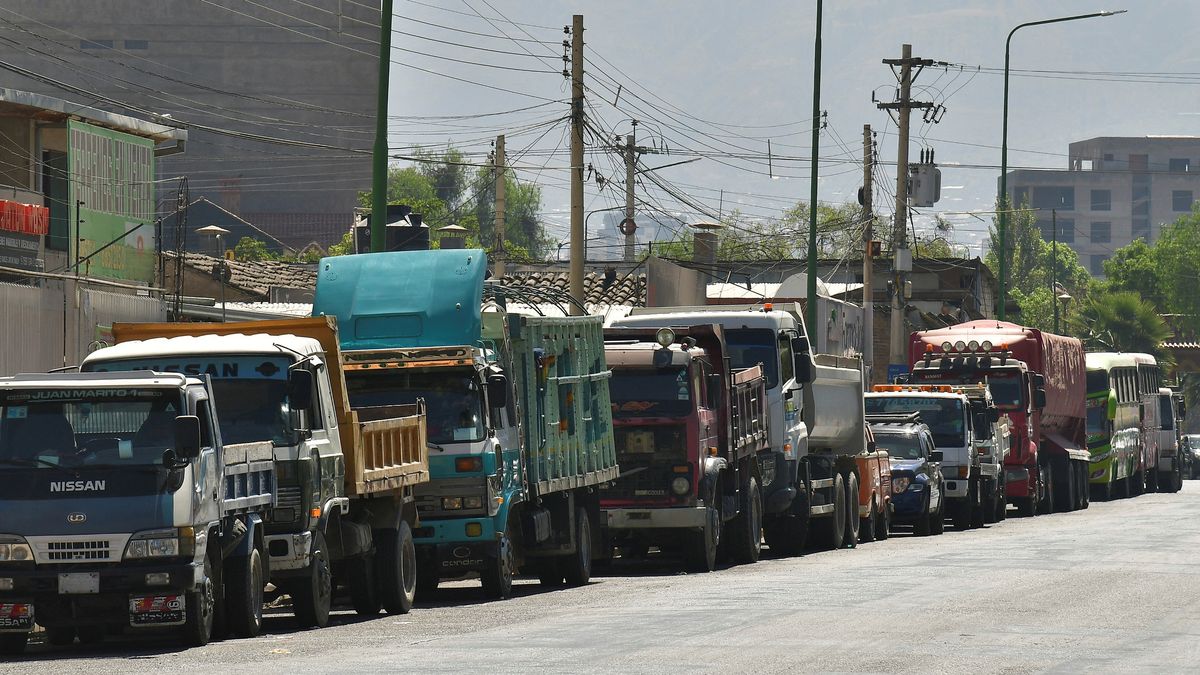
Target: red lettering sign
24, 218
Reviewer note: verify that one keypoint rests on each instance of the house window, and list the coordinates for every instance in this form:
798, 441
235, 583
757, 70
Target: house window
1102, 200
1141, 229
1175, 165
95, 44
1101, 232
1096, 265
1139, 162
137, 44
1054, 197
1181, 201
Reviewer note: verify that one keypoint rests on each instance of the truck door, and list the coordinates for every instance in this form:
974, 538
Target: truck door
208, 469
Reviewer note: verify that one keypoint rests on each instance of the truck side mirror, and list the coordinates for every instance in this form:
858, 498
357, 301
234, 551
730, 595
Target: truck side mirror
715, 383
1039, 398
802, 363
935, 456
993, 415
187, 436
1039, 381
299, 389
497, 391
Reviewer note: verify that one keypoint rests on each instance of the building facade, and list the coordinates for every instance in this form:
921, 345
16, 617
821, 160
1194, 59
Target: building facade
1114, 191
273, 68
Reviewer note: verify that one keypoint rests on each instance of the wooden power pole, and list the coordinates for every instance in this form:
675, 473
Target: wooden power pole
501, 205
868, 191
578, 236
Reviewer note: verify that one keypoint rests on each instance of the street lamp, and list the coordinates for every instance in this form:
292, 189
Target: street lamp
1063, 297
220, 270
1004, 149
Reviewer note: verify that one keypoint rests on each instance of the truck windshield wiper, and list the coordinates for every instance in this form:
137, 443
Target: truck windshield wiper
434, 446
36, 461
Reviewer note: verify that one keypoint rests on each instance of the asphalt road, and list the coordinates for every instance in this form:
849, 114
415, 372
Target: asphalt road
1115, 588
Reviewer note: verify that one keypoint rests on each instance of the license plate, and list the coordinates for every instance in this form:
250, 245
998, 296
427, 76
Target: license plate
16, 616
157, 610
79, 583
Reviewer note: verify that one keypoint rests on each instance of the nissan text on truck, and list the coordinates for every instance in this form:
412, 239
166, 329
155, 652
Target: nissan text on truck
1037, 380
520, 424
689, 432
346, 509
809, 481
124, 510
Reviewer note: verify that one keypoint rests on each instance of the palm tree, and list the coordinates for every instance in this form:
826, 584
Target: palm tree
1121, 322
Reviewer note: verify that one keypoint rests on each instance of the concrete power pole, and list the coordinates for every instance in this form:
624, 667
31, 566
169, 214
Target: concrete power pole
869, 243
902, 260
578, 252
501, 204
628, 226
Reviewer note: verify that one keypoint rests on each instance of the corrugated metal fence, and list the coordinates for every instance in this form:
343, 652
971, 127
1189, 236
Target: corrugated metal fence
32, 325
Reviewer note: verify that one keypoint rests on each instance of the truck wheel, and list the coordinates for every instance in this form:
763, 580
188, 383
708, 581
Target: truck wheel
1046, 498
396, 565
700, 552
747, 527
498, 577
427, 581
884, 529
577, 568
60, 636
312, 594
987, 502
975, 499
13, 644
1152, 482
836, 522
1137, 483
850, 540
90, 635
548, 572
923, 523
200, 609
244, 594
362, 583
1064, 492
960, 512
866, 526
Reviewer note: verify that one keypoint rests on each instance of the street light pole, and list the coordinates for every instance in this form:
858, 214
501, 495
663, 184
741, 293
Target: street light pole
222, 267
1003, 200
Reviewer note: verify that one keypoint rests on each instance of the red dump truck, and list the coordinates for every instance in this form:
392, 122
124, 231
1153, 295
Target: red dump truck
1038, 380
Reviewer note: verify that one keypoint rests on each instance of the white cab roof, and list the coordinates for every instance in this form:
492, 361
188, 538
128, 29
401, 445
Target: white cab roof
96, 380
237, 343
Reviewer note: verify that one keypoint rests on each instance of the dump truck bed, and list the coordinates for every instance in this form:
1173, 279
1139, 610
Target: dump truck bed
833, 406
249, 477
384, 448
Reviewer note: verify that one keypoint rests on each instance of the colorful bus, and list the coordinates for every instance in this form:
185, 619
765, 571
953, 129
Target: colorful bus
1119, 385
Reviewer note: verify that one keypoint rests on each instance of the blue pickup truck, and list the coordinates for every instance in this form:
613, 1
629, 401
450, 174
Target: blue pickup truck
918, 495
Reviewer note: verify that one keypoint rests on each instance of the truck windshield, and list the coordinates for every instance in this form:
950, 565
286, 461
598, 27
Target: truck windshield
900, 446
69, 428
1097, 421
749, 347
1097, 381
650, 392
1005, 386
944, 416
250, 390
453, 400
1006, 391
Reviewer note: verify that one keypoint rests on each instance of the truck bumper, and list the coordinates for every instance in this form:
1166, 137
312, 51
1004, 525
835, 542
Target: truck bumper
289, 552
654, 519
1102, 472
909, 505
1019, 482
445, 547
71, 597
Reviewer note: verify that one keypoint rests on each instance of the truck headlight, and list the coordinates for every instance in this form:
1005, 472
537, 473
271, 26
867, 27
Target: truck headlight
900, 484
14, 549
681, 485
452, 503
161, 543
472, 502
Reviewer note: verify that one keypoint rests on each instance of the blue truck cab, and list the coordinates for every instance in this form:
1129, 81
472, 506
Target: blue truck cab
519, 421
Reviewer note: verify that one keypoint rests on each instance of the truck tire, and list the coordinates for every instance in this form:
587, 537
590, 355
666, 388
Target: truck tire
866, 526
1085, 495
987, 501
850, 540
960, 512
577, 568
923, 523
200, 610
13, 644
1152, 482
312, 594
90, 635
835, 524
1137, 483
1046, 499
60, 636
975, 500
497, 579
746, 535
1064, 491
548, 571
427, 581
937, 523
700, 548
396, 565
362, 584
244, 594
884, 528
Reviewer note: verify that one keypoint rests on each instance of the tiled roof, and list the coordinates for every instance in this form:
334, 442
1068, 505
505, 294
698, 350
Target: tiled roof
626, 290
1181, 345
256, 277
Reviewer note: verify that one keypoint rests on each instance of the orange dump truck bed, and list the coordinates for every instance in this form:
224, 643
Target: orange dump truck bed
384, 448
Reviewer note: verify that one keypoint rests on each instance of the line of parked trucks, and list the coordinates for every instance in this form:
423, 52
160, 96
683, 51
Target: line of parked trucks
410, 433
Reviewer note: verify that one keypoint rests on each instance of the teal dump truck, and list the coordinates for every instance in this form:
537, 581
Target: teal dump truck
519, 418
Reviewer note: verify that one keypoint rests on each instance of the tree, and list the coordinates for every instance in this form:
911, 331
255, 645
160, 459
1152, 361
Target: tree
446, 174
1176, 259
1135, 268
249, 249
1121, 321
524, 235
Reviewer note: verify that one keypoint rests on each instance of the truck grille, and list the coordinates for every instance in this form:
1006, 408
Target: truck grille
78, 551
288, 497
646, 455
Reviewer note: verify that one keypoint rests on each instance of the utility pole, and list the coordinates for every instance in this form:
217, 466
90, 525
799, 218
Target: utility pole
577, 232
902, 255
1054, 267
380, 151
628, 226
868, 190
810, 316
501, 204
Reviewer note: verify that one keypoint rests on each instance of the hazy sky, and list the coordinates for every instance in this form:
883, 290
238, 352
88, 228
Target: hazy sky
723, 77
